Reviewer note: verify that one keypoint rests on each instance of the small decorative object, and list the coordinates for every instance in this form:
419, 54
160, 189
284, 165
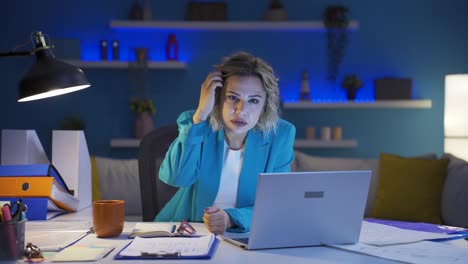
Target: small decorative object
325, 133
337, 133
115, 49
336, 22
310, 133
144, 110
138, 73
147, 10
136, 11
72, 123
172, 48
393, 88
141, 55
206, 11
276, 12
305, 90
351, 83
103, 49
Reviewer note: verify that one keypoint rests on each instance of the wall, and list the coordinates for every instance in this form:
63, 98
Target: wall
423, 40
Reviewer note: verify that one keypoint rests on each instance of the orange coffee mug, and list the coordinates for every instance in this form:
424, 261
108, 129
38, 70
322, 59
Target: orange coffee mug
108, 217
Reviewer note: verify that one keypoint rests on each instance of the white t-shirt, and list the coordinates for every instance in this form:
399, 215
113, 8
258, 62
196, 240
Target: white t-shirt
232, 164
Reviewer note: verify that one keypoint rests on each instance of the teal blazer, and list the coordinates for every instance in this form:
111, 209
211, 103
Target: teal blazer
194, 162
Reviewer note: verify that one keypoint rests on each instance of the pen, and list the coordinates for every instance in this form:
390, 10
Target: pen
173, 228
160, 255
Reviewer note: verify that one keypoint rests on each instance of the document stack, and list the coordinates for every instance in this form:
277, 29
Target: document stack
42, 188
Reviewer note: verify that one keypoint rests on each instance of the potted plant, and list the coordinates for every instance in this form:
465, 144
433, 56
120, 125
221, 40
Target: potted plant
336, 23
351, 83
72, 123
276, 12
144, 110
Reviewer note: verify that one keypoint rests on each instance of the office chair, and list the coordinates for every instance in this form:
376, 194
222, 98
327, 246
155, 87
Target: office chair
152, 150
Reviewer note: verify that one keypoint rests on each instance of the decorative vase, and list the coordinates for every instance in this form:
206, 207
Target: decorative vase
276, 14
136, 11
141, 55
172, 48
351, 93
143, 124
147, 10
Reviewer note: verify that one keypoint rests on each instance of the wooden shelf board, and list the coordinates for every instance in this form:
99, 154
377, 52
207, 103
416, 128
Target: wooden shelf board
125, 143
307, 143
125, 64
225, 25
424, 104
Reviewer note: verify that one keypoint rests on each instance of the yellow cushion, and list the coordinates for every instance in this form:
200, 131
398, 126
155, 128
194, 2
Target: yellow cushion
96, 190
410, 189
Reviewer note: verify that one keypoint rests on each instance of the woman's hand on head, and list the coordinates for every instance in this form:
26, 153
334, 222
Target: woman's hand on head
216, 220
213, 81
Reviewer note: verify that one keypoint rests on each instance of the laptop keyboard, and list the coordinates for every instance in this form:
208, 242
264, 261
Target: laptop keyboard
243, 240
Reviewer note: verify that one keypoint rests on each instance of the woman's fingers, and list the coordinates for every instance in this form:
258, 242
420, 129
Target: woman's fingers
206, 102
214, 220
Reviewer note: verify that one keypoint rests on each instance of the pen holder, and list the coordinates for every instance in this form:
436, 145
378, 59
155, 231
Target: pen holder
12, 240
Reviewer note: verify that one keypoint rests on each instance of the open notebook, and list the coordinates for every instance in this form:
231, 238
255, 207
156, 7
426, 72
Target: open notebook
158, 229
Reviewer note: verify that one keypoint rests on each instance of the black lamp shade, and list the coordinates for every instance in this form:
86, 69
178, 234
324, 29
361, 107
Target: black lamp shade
50, 77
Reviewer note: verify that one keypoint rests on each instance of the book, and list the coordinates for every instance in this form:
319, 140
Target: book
154, 229
201, 247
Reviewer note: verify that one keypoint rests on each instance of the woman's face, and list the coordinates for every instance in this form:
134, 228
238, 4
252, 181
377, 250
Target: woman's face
242, 104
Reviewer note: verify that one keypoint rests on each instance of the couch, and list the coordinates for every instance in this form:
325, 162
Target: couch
118, 179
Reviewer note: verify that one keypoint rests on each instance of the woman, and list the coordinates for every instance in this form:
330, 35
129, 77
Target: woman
234, 135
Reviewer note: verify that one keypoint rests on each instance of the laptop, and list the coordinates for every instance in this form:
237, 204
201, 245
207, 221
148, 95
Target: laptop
297, 209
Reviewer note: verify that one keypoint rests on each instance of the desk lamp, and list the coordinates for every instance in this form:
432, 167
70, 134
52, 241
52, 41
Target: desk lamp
48, 76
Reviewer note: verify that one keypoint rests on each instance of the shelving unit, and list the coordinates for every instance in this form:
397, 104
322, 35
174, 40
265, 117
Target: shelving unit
224, 25
306, 143
299, 143
125, 143
170, 65
422, 104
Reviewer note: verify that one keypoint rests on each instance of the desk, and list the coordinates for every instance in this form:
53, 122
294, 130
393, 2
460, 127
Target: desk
228, 253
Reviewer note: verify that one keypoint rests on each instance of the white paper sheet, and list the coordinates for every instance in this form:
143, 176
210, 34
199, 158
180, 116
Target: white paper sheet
382, 235
55, 235
198, 246
419, 253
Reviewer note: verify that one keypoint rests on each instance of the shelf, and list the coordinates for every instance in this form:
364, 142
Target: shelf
306, 143
299, 143
425, 104
124, 64
224, 25
125, 143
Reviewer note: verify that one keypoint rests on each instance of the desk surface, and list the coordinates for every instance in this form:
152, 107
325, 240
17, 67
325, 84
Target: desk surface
228, 253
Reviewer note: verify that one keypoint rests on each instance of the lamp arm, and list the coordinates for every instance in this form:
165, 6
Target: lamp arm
16, 53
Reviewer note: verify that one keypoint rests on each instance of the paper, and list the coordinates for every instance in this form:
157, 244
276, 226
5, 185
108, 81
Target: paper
418, 226
82, 253
185, 246
421, 252
55, 235
71, 225
381, 235
53, 240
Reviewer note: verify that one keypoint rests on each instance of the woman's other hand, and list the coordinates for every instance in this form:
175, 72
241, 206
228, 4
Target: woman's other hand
216, 220
206, 102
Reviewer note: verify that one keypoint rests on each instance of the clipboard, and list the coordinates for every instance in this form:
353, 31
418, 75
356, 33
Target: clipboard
213, 247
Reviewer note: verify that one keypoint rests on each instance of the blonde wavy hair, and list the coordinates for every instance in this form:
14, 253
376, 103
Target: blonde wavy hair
244, 64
